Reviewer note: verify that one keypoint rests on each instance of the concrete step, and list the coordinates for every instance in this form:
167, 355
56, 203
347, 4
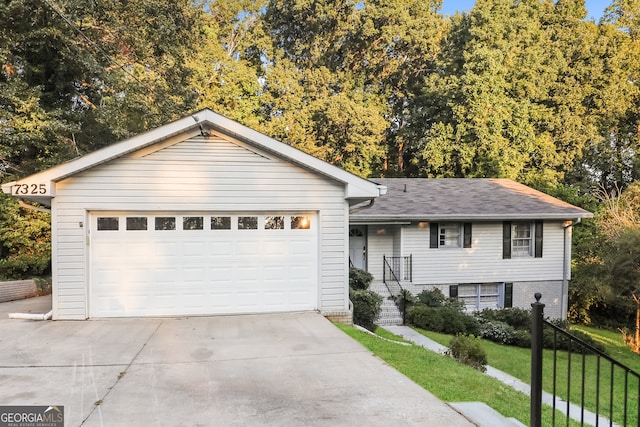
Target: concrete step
483, 415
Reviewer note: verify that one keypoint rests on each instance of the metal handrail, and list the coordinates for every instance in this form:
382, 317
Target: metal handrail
393, 274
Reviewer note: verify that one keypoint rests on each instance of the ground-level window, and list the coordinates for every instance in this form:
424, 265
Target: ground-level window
478, 296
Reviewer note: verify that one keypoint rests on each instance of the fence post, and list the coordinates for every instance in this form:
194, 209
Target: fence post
537, 315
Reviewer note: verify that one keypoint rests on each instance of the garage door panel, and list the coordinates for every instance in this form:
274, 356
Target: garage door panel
175, 272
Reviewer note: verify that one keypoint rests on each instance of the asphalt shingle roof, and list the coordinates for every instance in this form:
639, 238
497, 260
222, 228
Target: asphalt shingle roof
463, 199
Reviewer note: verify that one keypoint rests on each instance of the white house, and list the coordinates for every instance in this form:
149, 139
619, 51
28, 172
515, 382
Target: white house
491, 242
200, 216
206, 216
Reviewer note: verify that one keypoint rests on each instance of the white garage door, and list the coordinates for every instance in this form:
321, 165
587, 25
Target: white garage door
188, 264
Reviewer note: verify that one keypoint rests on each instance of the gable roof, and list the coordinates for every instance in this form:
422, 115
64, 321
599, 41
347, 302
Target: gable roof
357, 188
482, 199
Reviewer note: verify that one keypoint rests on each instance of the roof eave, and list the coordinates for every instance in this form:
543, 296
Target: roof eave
364, 219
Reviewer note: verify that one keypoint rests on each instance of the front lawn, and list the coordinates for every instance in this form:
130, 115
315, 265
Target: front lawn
517, 362
449, 380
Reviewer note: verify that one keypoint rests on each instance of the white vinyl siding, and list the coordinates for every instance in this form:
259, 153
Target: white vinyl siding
215, 175
482, 263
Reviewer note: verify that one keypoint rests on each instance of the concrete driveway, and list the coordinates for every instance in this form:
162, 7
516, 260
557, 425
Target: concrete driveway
293, 369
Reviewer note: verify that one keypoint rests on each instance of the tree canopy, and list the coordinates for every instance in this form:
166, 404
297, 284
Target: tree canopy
530, 90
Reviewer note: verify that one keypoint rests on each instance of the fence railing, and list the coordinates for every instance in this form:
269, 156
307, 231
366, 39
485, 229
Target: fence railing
390, 277
400, 268
615, 394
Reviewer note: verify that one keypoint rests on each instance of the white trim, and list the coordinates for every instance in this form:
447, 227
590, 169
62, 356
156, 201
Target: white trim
356, 187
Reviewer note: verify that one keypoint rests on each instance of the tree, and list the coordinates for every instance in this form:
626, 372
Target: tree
227, 67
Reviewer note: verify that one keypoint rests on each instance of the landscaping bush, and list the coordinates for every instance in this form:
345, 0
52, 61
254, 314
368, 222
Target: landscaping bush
446, 320
562, 342
403, 301
468, 350
521, 338
498, 332
366, 307
424, 317
431, 297
359, 279
517, 318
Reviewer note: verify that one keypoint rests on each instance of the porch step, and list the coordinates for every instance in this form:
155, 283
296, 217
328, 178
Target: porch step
483, 415
389, 313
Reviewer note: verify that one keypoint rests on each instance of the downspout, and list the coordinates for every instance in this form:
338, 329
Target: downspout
31, 316
566, 269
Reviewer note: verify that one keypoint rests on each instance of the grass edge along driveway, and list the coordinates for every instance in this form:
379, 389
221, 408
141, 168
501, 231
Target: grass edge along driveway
449, 380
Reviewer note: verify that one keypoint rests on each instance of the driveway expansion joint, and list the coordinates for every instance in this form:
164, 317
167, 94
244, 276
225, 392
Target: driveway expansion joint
121, 374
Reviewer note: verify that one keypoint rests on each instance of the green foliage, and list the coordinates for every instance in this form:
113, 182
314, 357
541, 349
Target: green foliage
517, 318
359, 279
496, 331
366, 307
25, 241
468, 350
366, 304
444, 319
431, 297
403, 301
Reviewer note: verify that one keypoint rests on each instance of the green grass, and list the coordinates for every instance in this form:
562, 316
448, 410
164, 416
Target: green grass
517, 362
447, 379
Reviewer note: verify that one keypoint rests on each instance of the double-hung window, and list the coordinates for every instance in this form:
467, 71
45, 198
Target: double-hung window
450, 235
521, 243
522, 239
478, 296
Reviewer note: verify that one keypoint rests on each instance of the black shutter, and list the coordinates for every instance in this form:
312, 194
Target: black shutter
433, 241
538, 241
467, 234
506, 240
508, 295
453, 291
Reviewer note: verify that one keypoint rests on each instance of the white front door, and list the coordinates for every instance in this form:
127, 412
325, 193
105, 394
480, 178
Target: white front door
358, 247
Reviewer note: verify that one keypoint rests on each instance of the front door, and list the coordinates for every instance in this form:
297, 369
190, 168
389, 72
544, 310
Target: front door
358, 247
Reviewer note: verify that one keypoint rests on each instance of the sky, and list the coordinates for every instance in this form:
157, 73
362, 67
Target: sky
595, 8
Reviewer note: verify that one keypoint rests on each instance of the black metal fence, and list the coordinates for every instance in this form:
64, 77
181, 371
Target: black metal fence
607, 396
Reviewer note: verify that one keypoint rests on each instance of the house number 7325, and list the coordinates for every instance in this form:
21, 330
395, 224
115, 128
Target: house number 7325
29, 189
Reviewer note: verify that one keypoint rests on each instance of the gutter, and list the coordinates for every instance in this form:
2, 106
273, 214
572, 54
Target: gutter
33, 208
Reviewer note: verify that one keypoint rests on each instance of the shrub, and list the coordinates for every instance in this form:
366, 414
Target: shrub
424, 317
521, 338
403, 301
359, 279
497, 331
562, 342
468, 350
447, 320
431, 297
517, 318
366, 307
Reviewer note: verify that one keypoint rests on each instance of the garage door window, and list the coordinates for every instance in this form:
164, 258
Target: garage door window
247, 223
300, 223
274, 223
192, 223
165, 223
108, 224
136, 223
221, 223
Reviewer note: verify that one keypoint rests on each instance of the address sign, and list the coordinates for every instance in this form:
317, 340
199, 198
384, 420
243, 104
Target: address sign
31, 189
